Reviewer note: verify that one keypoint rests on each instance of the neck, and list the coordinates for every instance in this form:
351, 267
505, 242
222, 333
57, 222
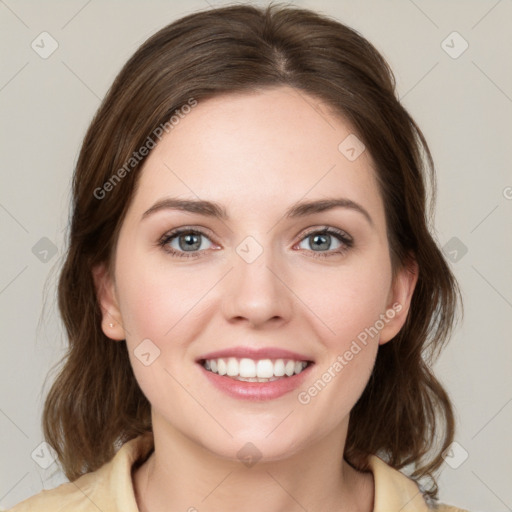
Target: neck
182, 475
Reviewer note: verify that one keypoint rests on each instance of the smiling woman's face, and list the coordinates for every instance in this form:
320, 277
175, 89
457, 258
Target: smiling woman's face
256, 278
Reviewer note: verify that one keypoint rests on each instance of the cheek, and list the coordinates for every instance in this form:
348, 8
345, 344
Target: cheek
156, 302
351, 306
343, 371
352, 301
162, 307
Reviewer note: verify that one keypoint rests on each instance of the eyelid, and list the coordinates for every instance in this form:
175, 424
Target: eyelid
188, 229
328, 229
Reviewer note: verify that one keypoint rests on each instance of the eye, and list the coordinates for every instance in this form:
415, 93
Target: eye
181, 241
187, 242
323, 239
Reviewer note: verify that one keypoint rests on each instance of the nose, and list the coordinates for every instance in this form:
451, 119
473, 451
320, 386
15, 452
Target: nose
256, 292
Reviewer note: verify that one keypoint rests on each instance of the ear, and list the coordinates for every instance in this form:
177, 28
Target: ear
111, 323
399, 300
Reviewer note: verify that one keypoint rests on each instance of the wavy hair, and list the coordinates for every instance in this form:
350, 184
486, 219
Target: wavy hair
95, 403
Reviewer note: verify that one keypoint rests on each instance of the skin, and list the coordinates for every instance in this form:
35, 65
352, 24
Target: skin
256, 154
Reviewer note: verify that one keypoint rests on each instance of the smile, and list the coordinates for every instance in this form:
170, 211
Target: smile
254, 370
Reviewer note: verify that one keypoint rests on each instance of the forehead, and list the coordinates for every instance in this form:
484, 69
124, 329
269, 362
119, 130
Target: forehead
257, 150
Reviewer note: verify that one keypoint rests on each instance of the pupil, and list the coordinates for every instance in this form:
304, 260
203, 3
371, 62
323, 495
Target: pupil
191, 241
323, 241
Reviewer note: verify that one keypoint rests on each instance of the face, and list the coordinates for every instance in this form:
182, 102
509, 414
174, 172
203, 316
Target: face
268, 288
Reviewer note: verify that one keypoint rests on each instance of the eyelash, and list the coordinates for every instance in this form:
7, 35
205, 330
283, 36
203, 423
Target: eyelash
340, 235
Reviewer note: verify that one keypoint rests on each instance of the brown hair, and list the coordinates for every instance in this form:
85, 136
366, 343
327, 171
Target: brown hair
95, 403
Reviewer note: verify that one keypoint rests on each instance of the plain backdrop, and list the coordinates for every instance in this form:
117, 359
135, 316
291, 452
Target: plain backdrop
452, 64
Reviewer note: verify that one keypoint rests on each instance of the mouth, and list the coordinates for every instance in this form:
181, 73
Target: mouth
255, 374
251, 370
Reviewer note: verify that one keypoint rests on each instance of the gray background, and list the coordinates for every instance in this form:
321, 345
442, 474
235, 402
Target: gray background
463, 105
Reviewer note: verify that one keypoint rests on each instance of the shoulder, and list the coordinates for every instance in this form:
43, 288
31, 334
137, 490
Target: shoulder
447, 508
65, 497
108, 488
394, 491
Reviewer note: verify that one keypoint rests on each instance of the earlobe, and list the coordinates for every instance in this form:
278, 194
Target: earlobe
111, 323
399, 301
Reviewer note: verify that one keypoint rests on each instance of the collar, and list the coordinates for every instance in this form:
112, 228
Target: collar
394, 491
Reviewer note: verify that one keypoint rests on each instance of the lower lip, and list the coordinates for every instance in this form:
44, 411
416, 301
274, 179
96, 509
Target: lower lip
257, 391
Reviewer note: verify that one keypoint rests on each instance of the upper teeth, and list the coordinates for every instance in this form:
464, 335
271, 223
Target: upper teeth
252, 369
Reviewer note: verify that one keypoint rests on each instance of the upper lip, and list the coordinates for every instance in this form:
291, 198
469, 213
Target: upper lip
255, 353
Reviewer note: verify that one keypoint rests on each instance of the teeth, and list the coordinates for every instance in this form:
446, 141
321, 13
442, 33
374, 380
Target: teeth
289, 369
221, 367
279, 368
249, 370
232, 370
264, 369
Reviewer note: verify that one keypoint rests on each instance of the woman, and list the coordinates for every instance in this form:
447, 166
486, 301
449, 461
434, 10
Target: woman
252, 295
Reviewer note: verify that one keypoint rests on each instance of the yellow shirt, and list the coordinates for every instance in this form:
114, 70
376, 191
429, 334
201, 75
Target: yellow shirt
110, 488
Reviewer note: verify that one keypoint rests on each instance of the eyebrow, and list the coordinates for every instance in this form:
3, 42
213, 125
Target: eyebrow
216, 210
